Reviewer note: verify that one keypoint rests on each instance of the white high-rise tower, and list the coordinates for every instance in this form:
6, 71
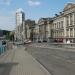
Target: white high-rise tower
20, 25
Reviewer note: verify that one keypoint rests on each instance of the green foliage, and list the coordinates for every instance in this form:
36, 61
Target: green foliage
11, 37
8, 35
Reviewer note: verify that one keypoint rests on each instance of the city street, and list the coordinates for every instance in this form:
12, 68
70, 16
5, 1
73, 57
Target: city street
37, 37
19, 62
56, 61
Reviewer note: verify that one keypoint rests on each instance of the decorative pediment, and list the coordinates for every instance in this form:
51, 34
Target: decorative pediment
68, 6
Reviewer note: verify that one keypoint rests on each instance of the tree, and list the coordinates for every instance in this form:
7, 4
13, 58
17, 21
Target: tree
11, 36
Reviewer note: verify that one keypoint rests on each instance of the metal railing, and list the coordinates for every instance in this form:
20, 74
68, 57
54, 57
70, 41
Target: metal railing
2, 49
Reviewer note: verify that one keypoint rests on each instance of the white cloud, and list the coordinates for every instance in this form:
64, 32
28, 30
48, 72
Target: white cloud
33, 2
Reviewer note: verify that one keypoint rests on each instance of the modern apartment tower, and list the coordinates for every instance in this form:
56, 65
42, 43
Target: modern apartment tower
20, 25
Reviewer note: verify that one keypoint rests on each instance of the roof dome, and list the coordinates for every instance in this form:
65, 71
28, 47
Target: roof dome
19, 10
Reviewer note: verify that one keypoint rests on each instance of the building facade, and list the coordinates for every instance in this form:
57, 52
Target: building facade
29, 24
36, 33
60, 28
64, 25
42, 29
20, 25
45, 29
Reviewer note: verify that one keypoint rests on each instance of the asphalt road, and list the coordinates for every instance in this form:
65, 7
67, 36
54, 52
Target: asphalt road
19, 62
57, 62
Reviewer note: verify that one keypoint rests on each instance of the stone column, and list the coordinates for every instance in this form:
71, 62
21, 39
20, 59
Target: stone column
73, 18
64, 26
65, 29
73, 32
24, 34
69, 20
69, 32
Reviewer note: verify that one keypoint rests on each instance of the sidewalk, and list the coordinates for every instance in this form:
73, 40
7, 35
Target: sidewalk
45, 45
26, 64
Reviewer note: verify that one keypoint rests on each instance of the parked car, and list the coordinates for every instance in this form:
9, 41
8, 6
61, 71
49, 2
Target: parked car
27, 41
39, 41
44, 41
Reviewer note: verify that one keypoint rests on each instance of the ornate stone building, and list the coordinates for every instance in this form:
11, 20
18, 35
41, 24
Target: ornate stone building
60, 28
64, 25
36, 33
29, 26
44, 29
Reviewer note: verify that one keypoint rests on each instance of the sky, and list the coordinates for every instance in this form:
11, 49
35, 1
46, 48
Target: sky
34, 9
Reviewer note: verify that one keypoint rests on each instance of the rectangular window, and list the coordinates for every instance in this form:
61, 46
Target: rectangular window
71, 32
61, 24
67, 19
55, 25
71, 19
74, 18
67, 32
74, 32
